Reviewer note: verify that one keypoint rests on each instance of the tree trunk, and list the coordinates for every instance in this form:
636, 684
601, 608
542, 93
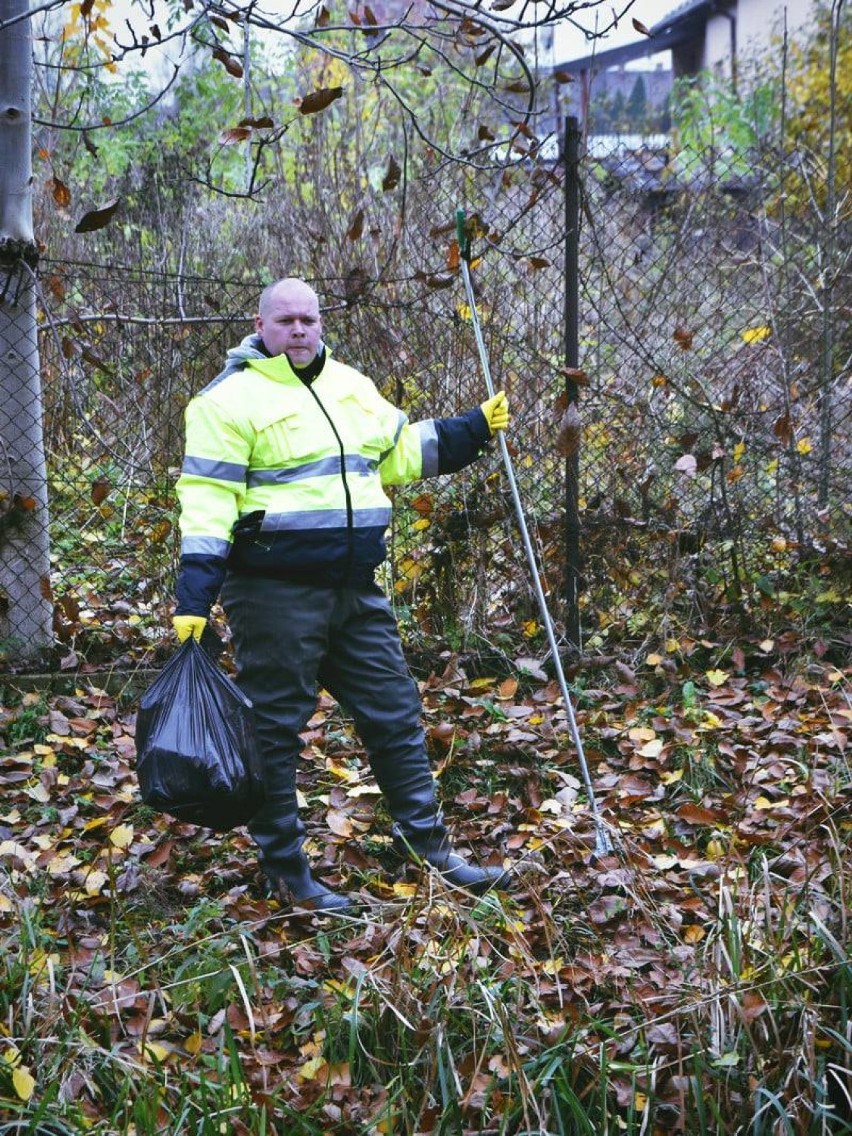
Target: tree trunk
25, 606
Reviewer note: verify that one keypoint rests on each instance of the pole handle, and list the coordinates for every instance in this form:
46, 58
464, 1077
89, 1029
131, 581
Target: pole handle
461, 235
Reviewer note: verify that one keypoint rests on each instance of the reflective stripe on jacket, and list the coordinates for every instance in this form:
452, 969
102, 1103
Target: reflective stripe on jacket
285, 479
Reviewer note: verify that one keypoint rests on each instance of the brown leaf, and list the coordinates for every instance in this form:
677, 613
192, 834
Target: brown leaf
392, 175
61, 193
782, 428
640, 27
576, 375
339, 823
97, 218
570, 432
439, 279
424, 504
318, 100
683, 338
323, 18
564, 77
228, 61
357, 226
484, 55
697, 814
262, 123
100, 489
234, 135
56, 286
485, 133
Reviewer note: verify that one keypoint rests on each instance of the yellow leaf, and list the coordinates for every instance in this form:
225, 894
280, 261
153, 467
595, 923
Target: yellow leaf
421, 524
804, 446
530, 628
693, 933
342, 773
311, 1069
654, 660
5, 904
764, 803
552, 966
755, 334
717, 678
671, 778
639, 1102
24, 1082
151, 1051
482, 684
193, 1043
739, 450
121, 836
404, 891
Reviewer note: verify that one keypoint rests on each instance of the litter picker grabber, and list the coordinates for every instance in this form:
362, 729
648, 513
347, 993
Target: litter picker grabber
603, 842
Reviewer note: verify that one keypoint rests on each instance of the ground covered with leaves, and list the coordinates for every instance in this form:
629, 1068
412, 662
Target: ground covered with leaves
696, 979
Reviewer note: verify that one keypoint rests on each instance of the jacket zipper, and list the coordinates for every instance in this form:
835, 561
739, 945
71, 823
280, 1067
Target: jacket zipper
350, 516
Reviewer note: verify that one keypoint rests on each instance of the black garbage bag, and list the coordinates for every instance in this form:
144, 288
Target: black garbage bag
196, 749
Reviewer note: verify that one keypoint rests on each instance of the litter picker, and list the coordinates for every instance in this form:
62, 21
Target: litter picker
603, 842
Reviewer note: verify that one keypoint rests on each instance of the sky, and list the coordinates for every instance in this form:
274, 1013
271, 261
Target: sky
570, 43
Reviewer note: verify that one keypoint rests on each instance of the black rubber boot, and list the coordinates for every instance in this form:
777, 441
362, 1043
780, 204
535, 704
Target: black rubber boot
297, 887
279, 834
433, 847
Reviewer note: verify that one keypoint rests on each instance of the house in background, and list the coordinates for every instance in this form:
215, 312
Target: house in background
715, 35
700, 35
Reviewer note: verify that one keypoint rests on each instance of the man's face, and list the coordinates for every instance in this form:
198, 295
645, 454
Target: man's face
290, 324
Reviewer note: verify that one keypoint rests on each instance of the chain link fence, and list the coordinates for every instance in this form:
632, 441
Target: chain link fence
712, 388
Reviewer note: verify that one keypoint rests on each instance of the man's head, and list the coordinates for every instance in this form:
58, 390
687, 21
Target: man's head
289, 321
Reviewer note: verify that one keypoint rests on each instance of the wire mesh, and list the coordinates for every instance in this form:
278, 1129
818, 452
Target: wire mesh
713, 396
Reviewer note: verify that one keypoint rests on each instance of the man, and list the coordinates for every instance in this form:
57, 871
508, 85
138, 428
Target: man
283, 510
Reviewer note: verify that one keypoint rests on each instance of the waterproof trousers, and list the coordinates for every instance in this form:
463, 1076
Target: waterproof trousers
292, 639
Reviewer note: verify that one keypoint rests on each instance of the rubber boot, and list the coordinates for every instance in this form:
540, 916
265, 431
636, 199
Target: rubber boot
296, 886
434, 847
279, 834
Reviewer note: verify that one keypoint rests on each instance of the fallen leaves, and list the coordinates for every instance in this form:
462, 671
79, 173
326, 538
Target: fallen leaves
698, 765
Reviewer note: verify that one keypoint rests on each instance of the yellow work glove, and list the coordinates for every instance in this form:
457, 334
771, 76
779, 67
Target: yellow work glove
496, 411
186, 625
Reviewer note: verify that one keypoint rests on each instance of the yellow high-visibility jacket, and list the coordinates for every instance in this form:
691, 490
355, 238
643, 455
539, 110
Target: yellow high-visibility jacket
284, 478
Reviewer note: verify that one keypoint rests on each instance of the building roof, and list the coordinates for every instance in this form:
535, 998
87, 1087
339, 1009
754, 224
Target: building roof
678, 27
653, 44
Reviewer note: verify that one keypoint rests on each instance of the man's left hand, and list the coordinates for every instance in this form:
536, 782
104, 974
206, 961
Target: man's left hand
496, 411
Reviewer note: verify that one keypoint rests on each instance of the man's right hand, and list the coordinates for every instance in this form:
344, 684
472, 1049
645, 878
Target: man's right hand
188, 625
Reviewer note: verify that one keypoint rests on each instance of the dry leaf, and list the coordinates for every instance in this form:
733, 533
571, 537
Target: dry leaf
570, 432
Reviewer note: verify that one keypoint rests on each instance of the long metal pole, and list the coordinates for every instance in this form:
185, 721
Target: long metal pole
572, 359
603, 842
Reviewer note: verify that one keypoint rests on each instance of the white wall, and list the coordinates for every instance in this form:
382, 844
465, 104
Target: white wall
759, 24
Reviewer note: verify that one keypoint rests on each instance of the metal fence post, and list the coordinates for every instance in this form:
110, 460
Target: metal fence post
572, 360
